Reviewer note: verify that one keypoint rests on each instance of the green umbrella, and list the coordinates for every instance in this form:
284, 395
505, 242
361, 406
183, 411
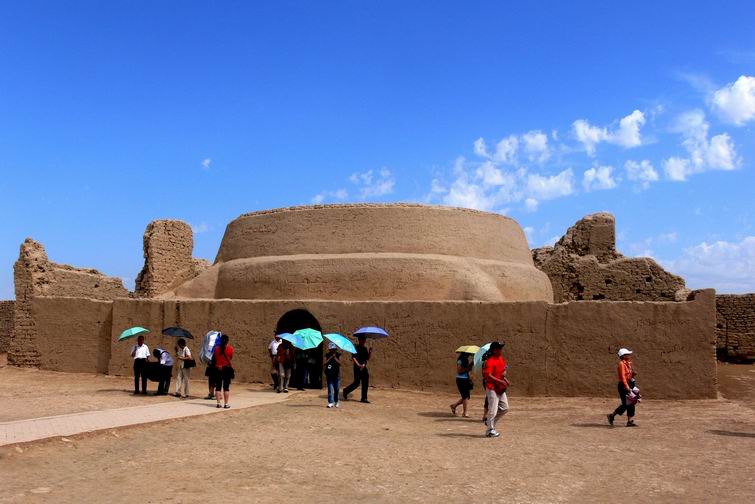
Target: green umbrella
130, 333
310, 338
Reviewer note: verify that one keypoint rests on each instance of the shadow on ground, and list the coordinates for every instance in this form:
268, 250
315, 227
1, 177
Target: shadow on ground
732, 433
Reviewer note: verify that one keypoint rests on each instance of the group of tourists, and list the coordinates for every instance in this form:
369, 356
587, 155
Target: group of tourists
283, 364
495, 382
219, 370
218, 356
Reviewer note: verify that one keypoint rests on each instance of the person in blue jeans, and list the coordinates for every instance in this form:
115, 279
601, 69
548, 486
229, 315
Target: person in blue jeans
332, 368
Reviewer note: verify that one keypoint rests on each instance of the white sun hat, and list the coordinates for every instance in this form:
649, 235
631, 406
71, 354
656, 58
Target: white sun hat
624, 351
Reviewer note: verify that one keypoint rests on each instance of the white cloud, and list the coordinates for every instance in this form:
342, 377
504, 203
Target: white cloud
642, 172
200, 228
489, 186
725, 266
337, 195
550, 187
598, 178
588, 135
667, 237
718, 153
536, 146
735, 102
533, 143
626, 135
206, 163
374, 185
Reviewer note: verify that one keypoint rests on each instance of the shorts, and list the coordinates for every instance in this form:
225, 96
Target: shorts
465, 387
223, 378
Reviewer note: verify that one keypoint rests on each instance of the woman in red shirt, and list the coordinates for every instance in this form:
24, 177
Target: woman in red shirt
223, 355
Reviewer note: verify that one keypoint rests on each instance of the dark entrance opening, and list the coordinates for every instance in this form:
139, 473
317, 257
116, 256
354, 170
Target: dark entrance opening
308, 370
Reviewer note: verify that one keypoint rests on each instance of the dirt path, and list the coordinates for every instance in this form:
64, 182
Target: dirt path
405, 447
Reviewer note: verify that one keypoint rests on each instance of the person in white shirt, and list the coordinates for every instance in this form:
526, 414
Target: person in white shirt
140, 354
166, 363
272, 349
183, 354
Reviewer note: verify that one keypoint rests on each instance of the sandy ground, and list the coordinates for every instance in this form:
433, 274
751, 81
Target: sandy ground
404, 447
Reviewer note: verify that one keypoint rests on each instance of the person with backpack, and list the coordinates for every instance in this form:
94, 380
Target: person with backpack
494, 373
224, 372
626, 376
332, 368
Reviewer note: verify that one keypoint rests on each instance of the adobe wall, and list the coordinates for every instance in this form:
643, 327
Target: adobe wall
557, 350
35, 275
6, 324
73, 334
735, 327
168, 261
372, 252
585, 265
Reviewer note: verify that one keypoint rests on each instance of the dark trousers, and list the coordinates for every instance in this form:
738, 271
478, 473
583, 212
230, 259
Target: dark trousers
360, 376
164, 385
140, 372
624, 407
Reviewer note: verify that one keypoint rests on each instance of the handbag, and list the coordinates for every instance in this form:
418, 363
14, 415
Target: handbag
190, 363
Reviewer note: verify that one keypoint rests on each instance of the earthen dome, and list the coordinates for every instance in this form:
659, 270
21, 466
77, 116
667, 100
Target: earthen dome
372, 252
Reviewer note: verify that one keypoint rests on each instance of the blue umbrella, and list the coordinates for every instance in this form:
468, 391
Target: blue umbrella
371, 332
130, 333
310, 338
295, 340
341, 342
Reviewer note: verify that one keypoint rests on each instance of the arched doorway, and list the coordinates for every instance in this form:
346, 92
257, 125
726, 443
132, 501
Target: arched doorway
308, 372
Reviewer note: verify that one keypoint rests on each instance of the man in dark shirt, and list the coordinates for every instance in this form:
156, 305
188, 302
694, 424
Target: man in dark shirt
361, 374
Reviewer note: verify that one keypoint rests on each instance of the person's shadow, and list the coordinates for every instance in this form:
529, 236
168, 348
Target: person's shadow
593, 425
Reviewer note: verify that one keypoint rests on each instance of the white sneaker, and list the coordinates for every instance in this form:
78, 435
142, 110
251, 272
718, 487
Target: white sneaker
493, 433
338, 405
330, 405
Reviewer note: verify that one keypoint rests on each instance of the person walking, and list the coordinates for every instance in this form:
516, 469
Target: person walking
496, 383
285, 359
140, 354
332, 367
166, 370
272, 349
224, 372
626, 383
463, 382
183, 354
361, 374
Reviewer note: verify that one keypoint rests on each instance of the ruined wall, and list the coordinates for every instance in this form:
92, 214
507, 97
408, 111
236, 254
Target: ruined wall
735, 327
35, 275
585, 265
73, 334
6, 324
558, 350
168, 261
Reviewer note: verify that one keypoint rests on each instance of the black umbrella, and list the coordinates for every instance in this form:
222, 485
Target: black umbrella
178, 332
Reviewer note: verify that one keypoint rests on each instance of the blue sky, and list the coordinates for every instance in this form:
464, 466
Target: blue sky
113, 114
